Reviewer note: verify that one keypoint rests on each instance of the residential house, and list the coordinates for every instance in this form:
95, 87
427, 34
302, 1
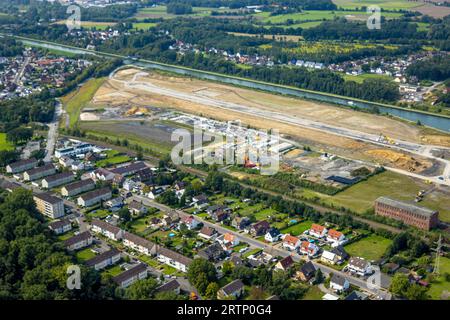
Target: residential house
307, 271
155, 192
291, 243
114, 204
207, 233
137, 208
357, 295
101, 174
285, 263
200, 202
339, 283
213, 252
104, 259
139, 244
318, 231
22, 165
173, 259
127, 278
130, 169
130, 184
60, 226
78, 187
190, 222
107, 229
66, 162
94, 197
39, 172
336, 238
49, 205
340, 252
74, 150
240, 223
359, 266
273, 235
230, 240
79, 241
234, 289
171, 286
57, 180
308, 248
259, 228
220, 215
329, 257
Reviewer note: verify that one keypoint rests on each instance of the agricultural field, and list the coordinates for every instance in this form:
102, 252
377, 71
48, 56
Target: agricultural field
92, 24
75, 101
4, 144
370, 248
143, 25
361, 196
315, 15
384, 4
161, 12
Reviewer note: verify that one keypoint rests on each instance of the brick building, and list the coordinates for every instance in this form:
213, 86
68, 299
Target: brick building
422, 218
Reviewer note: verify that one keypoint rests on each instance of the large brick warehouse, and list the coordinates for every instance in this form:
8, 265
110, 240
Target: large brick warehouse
410, 214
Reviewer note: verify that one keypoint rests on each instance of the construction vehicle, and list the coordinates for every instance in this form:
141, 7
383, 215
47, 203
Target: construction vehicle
385, 139
193, 296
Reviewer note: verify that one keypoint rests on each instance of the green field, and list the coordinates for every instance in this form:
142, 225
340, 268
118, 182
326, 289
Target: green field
298, 228
440, 285
315, 15
5, 145
113, 271
76, 101
161, 12
362, 77
313, 293
384, 4
144, 25
370, 248
361, 196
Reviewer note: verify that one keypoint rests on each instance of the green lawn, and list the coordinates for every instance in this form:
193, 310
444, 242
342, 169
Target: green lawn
85, 254
370, 248
4, 144
313, 293
117, 158
75, 102
139, 225
113, 271
298, 228
99, 214
440, 285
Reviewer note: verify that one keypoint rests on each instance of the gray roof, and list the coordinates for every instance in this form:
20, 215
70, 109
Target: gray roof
47, 197
78, 238
79, 184
58, 176
358, 262
40, 169
233, 287
95, 193
129, 168
102, 257
340, 280
169, 286
138, 240
59, 224
141, 267
105, 226
425, 212
21, 163
174, 256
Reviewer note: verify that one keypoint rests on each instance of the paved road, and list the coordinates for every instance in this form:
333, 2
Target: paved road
271, 249
53, 133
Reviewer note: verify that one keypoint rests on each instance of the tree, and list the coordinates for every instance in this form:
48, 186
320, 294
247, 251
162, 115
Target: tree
211, 291
399, 284
201, 272
319, 277
416, 292
141, 290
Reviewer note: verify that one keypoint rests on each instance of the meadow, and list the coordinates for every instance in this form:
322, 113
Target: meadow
384, 4
4, 144
370, 248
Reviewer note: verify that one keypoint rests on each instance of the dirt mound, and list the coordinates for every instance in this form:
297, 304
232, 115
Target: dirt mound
133, 111
399, 160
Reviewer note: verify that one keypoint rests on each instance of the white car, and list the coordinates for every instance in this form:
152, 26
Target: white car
243, 250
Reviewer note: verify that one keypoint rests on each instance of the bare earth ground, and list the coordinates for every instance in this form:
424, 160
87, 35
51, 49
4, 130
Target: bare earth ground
115, 93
